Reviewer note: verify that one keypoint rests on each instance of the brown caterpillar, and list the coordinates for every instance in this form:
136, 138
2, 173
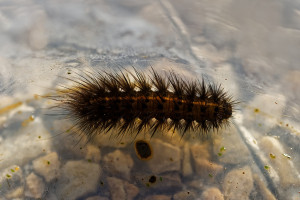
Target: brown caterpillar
128, 101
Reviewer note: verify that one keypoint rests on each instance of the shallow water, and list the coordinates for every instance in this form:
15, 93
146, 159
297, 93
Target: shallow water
248, 47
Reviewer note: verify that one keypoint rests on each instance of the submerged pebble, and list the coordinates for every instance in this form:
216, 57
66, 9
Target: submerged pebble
35, 187
47, 166
78, 178
118, 163
120, 189
238, 183
166, 157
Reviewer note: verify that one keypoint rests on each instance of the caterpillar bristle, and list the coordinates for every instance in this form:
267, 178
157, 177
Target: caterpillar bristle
132, 102
160, 84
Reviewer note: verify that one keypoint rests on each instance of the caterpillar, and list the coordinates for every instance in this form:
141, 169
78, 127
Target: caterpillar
134, 101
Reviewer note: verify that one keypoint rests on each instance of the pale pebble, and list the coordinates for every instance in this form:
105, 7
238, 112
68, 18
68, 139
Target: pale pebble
118, 163
203, 166
212, 193
31, 136
166, 157
238, 183
93, 153
78, 178
281, 164
120, 189
34, 186
196, 184
47, 166
16, 193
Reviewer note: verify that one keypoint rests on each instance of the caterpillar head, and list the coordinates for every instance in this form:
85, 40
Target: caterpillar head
227, 110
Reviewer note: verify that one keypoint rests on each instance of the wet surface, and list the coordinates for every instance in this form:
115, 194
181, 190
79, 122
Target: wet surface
250, 47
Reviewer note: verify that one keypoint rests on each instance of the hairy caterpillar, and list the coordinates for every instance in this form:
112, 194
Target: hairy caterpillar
101, 101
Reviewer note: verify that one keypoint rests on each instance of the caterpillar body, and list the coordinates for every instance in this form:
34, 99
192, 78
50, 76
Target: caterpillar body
134, 101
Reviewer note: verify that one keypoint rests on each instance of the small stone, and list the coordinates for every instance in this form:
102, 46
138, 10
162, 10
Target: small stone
212, 194
131, 190
16, 193
158, 197
15, 147
166, 157
78, 178
283, 166
120, 189
118, 163
47, 166
34, 186
238, 184
93, 153
203, 166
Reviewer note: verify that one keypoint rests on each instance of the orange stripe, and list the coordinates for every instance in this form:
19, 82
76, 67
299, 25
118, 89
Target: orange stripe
166, 98
10, 107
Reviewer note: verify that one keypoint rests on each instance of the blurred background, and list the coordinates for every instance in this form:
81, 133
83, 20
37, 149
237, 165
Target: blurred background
252, 48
